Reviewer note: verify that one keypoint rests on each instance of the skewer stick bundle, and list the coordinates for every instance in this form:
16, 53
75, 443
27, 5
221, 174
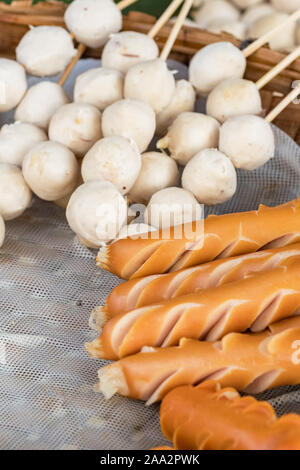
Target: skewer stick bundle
176, 29
151, 81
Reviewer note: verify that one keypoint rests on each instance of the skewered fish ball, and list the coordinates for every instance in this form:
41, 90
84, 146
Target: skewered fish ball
215, 11
15, 195
237, 29
113, 159
17, 139
158, 172
183, 100
96, 212
50, 170
215, 63
233, 97
2, 231
210, 176
40, 102
128, 48
93, 21
190, 133
170, 207
288, 6
136, 231
13, 84
131, 119
248, 141
255, 12
45, 50
282, 42
151, 82
77, 126
99, 87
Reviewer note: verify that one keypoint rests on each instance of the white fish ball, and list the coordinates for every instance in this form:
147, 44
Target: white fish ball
77, 126
158, 172
128, 48
213, 11
2, 231
282, 42
13, 84
233, 97
99, 87
151, 82
96, 212
17, 139
45, 50
237, 29
215, 63
255, 12
131, 119
93, 21
190, 133
50, 170
15, 195
172, 206
40, 102
113, 159
288, 6
136, 231
183, 100
248, 141
210, 176
243, 4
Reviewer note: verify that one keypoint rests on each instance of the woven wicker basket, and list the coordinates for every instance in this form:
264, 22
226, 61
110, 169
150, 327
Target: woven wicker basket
16, 17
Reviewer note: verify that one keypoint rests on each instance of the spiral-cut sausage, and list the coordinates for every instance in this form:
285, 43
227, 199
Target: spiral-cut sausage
251, 303
158, 288
222, 236
208, 417
249, 362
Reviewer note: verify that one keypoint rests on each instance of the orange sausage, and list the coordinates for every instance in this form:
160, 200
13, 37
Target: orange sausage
162, 448
160, 287
223, 236
249, 362
251, 303
208, 417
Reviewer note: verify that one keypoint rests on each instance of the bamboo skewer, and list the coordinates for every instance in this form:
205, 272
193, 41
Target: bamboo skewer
176, 29
124, 4
164, 18
82, 47
283, 64
80, 51
283, 104
266, 37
